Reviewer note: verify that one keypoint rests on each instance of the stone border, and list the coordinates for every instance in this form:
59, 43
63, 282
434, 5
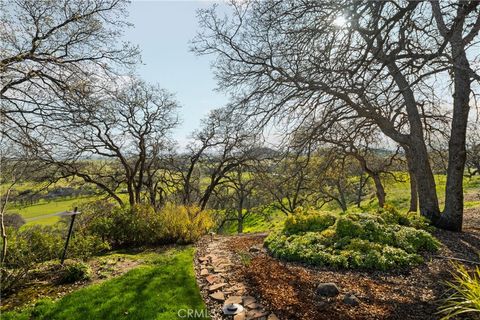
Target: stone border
215, 273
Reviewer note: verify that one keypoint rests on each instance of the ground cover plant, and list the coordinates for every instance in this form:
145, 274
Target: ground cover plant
383, 240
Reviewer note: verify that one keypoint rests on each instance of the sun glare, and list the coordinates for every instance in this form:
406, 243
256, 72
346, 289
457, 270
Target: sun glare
340, 21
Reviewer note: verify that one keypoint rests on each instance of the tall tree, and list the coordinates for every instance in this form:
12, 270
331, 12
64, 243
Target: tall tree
48, 48
295, 59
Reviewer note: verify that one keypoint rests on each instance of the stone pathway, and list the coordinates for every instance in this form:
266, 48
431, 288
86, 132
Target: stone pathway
215, 268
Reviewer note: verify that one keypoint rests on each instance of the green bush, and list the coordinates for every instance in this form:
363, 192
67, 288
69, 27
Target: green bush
73, 271
183, 224
86, 246
356, 241
410, 219
308, 220
142, 224
33, 244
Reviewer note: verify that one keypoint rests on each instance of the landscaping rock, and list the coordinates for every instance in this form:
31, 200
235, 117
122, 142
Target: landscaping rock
254, 249
328, 289
248, 300
212, 279
351, 300
240, 316
234, 300
255, 314
203, 259
218, 296
254, 305
217, 286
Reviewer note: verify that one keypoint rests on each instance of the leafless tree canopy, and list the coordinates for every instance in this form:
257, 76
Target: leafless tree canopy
389, 63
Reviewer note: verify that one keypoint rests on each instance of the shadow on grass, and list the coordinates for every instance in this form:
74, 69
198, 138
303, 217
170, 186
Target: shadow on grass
155, 291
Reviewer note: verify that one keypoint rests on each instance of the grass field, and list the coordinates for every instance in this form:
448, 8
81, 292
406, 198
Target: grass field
158, 289
43, 212
398, 195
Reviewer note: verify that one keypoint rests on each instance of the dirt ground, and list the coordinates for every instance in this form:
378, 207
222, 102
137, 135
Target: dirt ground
288, 289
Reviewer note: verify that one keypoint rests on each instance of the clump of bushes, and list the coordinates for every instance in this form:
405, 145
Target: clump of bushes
34, 244
142, 224
357, 241
308, 220
73, 271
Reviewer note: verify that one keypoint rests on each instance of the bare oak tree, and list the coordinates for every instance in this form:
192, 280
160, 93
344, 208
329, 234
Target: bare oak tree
291, 60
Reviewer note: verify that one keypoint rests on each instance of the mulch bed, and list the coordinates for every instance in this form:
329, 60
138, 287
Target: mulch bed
289, 288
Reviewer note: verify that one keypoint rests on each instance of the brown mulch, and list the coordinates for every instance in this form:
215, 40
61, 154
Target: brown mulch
288, 289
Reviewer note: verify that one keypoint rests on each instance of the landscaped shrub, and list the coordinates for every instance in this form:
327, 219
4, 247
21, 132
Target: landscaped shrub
33, 244
409, 219
308, 220
142, 224
363, 241
73, 271
86, 246
184, 224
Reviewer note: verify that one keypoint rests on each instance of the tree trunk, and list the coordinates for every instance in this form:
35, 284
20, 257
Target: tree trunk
413, 194
452, 217
417, 148
361, 184
131, 193
425, 181
240, 216
3, 209
380, 190
4, 244
413, 181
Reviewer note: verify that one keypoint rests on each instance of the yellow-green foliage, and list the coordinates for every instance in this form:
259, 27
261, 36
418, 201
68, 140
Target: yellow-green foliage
465, 298
73, 271
143, 225
354, 240
184, 224
308, 220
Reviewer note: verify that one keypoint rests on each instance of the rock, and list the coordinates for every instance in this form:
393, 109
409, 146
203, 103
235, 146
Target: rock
254, 249
212, 279
239, 316
218, 296
272, 316
204, 272
255, 314
254, 305
217, 286
203, 259
328, 289
234, 300
248, 300
351, 300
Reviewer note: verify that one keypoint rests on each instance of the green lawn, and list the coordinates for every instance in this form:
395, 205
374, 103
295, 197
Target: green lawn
41, 213
156, 290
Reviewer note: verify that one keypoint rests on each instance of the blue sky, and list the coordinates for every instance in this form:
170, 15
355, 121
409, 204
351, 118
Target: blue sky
162, 30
